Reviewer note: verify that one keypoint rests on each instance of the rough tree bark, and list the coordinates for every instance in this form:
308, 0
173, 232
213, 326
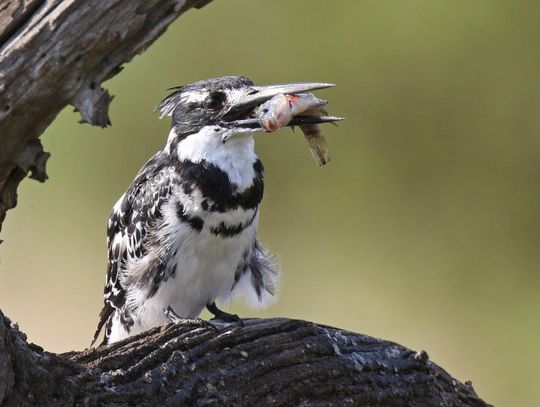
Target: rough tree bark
58, 52
278, 362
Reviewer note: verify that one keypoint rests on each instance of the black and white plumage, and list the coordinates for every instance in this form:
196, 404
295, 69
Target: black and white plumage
183, 235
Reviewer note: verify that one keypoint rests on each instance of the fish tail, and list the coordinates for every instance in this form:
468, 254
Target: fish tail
317, 143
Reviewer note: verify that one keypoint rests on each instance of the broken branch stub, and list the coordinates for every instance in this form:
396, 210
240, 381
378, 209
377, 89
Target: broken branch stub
58, 52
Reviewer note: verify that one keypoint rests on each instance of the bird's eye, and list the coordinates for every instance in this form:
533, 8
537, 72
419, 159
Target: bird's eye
214, 101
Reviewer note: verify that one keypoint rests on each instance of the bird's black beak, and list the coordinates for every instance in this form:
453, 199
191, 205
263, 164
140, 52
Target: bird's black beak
240, 114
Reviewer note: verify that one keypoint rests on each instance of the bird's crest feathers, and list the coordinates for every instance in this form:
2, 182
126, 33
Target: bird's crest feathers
167, 105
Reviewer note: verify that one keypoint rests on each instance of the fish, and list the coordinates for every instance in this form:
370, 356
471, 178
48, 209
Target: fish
281, 109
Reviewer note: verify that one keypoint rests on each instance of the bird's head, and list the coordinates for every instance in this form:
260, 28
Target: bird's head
221, 110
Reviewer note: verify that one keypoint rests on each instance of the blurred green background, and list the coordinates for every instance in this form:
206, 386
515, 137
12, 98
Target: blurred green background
425, 227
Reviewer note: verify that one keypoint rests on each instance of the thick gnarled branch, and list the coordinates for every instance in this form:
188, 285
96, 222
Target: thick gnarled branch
58, 52
277, 362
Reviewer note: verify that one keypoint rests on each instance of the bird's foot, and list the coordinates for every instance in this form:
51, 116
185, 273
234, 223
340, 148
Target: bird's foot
220, 315
178, 320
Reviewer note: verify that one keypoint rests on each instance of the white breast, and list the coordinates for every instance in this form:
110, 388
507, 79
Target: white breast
235, 157
206, 265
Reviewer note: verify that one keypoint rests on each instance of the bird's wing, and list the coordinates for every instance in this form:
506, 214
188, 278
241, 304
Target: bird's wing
129, 232
257, 280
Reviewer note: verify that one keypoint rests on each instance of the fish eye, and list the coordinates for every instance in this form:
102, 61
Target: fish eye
214, 101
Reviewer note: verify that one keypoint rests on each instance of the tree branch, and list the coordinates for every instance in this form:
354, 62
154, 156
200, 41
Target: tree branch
58, 52
54, 53
278, 362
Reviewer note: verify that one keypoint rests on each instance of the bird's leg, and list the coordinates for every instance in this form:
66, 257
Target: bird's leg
222, 315
178, 320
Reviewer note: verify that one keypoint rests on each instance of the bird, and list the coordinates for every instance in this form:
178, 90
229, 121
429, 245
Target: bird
183, 236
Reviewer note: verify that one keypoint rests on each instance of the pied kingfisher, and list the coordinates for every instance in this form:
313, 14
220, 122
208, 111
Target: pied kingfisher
183, 235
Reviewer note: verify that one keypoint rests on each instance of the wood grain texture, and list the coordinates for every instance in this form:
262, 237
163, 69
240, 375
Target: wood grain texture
54, 53
265, 362
58, 52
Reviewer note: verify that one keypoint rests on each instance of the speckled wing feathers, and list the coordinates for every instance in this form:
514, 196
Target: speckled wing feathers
137, 213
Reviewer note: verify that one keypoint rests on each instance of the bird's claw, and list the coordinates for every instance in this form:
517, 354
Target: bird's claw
178, 320
223, 316
235, 320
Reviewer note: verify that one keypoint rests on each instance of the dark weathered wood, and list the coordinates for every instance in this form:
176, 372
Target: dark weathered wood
58, 52
54, 53
277, 362
13, 14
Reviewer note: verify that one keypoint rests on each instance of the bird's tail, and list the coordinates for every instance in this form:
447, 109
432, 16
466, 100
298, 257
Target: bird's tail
104, 317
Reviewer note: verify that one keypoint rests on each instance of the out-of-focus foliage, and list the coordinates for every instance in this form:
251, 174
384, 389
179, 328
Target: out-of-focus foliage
424, 228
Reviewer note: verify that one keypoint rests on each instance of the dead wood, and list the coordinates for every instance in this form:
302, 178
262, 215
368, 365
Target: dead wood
58, 52
274, 362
